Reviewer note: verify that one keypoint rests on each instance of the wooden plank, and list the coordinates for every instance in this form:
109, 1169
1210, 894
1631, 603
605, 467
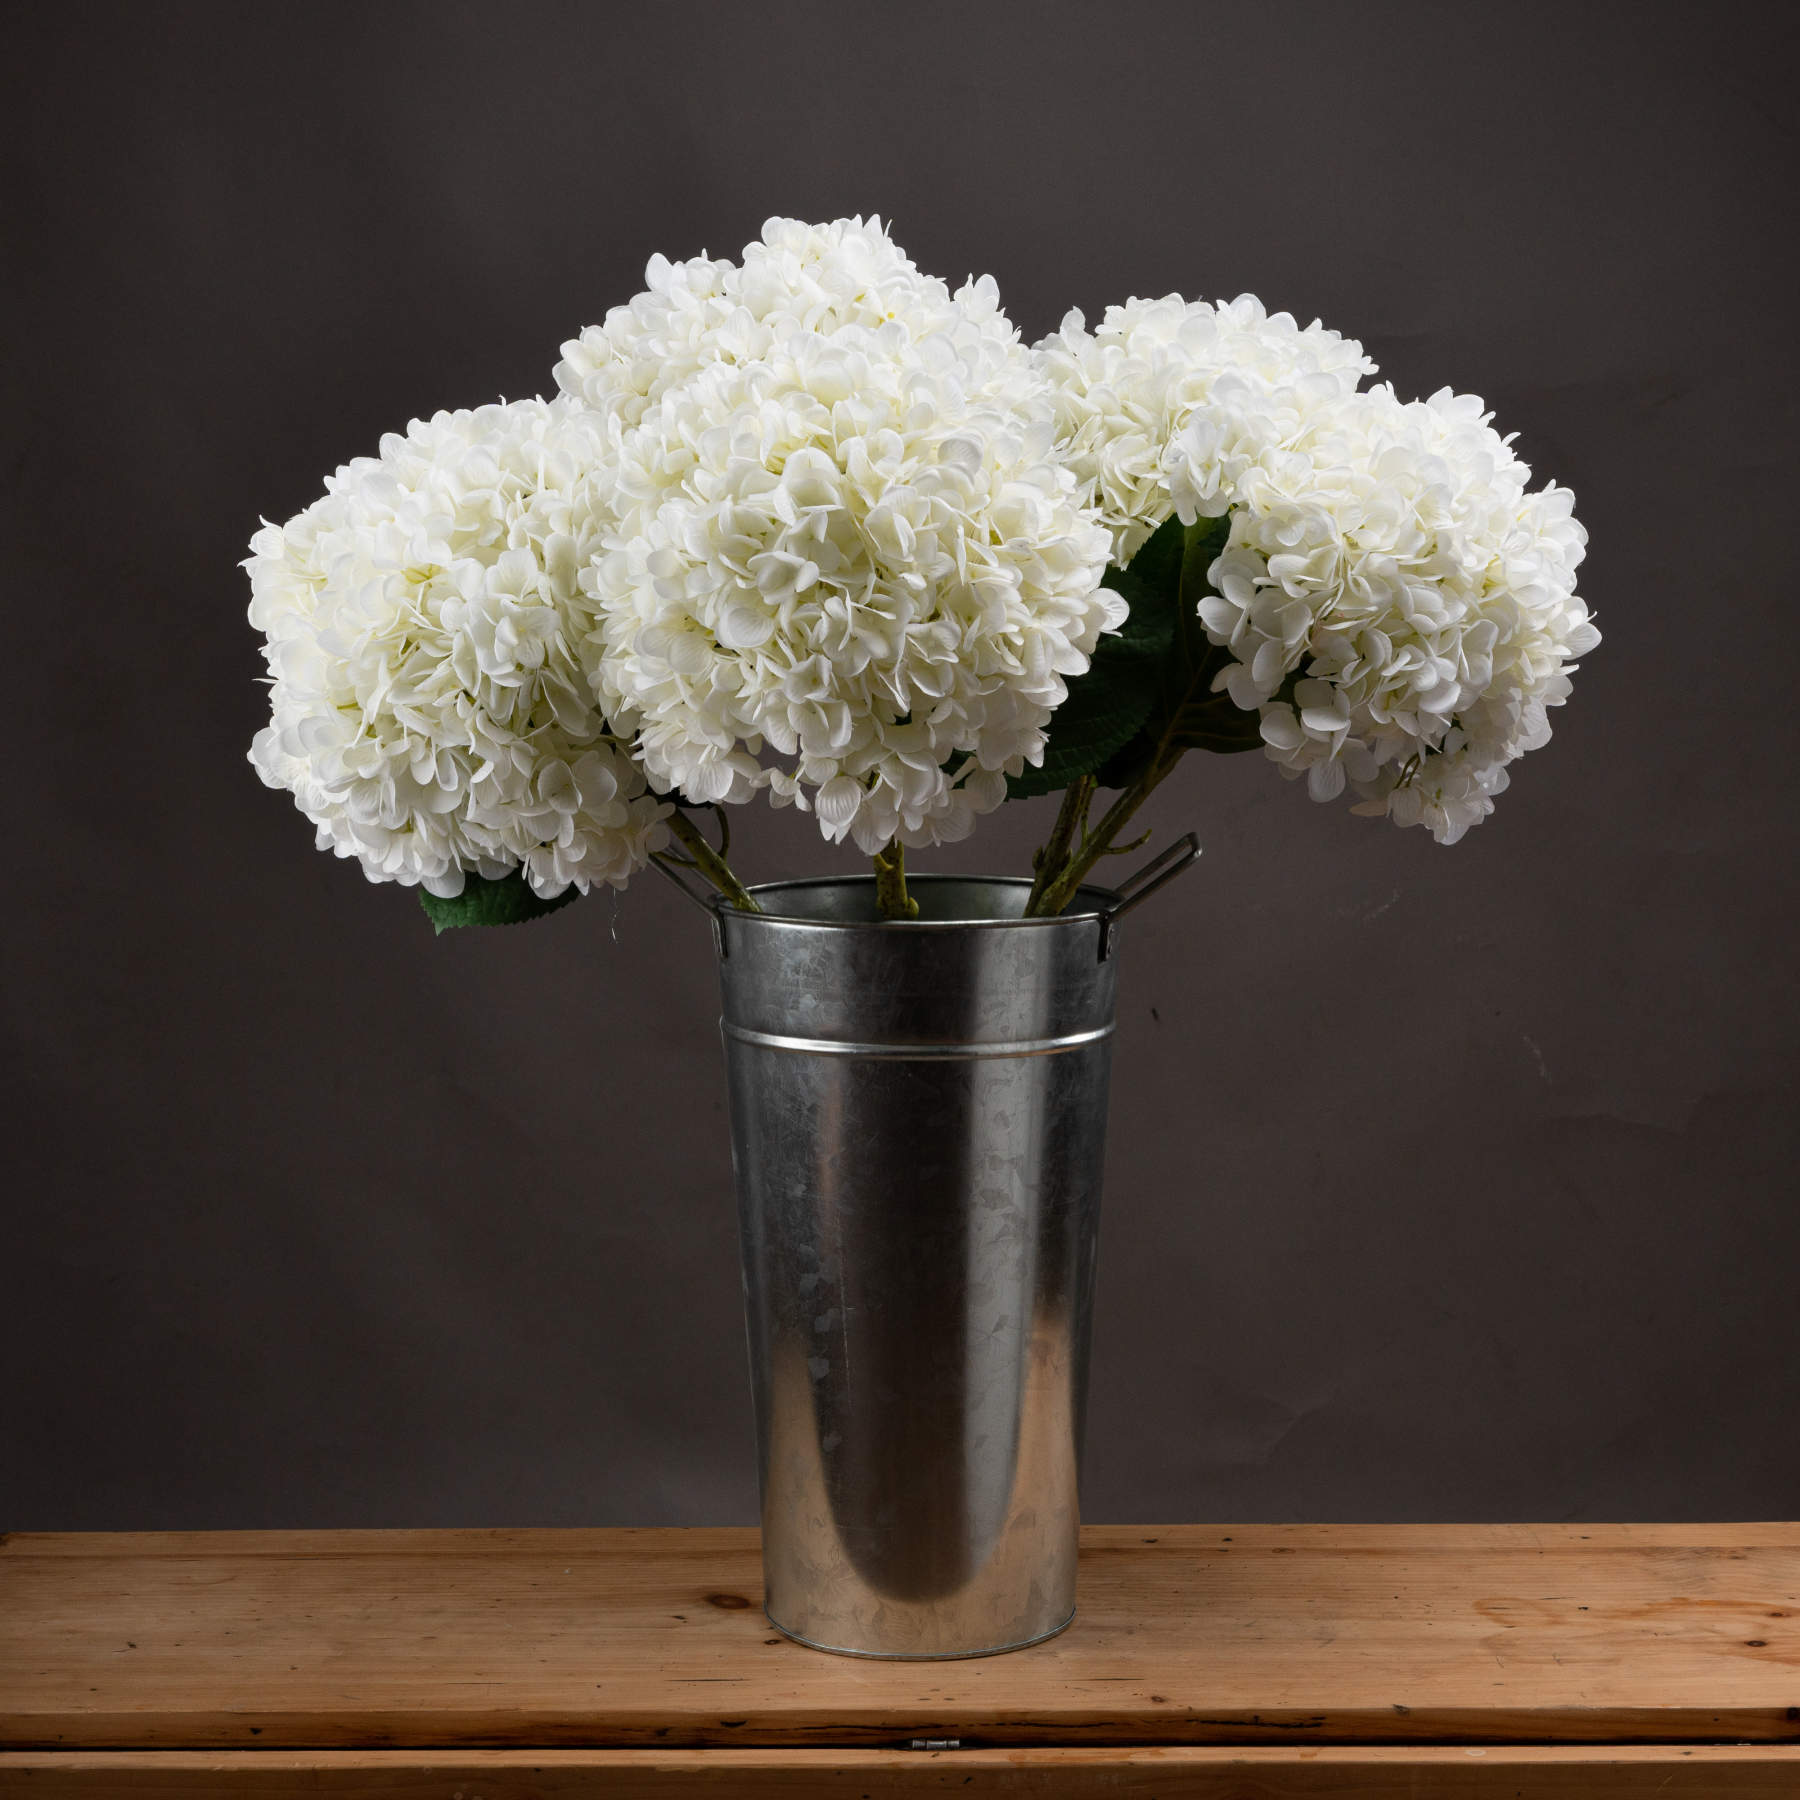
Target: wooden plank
1487, 1772
703, 1540
1186, 1635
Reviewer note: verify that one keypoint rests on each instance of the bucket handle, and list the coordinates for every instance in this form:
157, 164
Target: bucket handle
1135, 889
695, 898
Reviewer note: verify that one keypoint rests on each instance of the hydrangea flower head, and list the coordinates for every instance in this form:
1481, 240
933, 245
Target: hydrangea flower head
1127, 393
430, 710
1400, 609
845, 559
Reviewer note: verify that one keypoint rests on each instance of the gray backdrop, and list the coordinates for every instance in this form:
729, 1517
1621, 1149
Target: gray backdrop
1442, 1183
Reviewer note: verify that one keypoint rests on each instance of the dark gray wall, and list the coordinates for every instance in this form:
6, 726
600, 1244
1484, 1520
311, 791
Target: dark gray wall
1443, 1183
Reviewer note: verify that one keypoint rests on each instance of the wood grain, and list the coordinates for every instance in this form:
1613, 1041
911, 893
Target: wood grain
1187, 1635
1691, 1772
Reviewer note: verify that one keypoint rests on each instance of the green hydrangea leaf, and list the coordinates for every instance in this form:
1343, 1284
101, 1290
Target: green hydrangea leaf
1126, 763
1184, 712
508, 901
1217, 724
1224, 730
1193, 717
1081, 745
1109, 704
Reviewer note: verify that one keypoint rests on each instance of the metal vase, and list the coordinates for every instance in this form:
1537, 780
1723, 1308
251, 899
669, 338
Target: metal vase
918, 1121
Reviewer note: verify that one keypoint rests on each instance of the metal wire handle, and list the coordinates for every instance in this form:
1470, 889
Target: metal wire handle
708, 906
1134, 890
1158, 872
694, 896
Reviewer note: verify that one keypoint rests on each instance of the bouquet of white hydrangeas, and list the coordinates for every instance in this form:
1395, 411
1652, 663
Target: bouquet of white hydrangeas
812, 523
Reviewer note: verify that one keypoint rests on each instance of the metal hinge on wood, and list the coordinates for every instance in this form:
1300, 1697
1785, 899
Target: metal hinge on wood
935, 1744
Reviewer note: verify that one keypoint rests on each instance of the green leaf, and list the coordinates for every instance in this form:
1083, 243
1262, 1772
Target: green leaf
1203, 543
1214, 721
508, 901
1218, 725
1148, 690
1126, 763
1185, 713
1109, 704
1193, 716
1222, 736
1200, 658
1080, 746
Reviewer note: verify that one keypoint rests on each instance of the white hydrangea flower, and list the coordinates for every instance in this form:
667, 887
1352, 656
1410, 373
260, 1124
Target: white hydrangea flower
1128, 393
688, 316
845, 544
430, 710
1389, 556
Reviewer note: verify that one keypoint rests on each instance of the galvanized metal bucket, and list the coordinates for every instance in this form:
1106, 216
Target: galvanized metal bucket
918, 1118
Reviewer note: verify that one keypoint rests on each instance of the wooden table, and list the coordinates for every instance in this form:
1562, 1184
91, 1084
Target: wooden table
1205, 1660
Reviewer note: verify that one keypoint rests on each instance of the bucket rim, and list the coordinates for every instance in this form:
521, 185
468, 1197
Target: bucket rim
1090, 903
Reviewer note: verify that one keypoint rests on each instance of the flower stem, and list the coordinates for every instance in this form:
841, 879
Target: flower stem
1060, 887
1071, 816
709, 862
890, 883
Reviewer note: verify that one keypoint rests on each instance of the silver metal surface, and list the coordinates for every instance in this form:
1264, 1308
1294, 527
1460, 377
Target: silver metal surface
918, 1116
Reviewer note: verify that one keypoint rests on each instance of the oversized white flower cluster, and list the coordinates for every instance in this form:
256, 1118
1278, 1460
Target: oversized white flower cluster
1135, 398
1400, 609
846, 560
431, 713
